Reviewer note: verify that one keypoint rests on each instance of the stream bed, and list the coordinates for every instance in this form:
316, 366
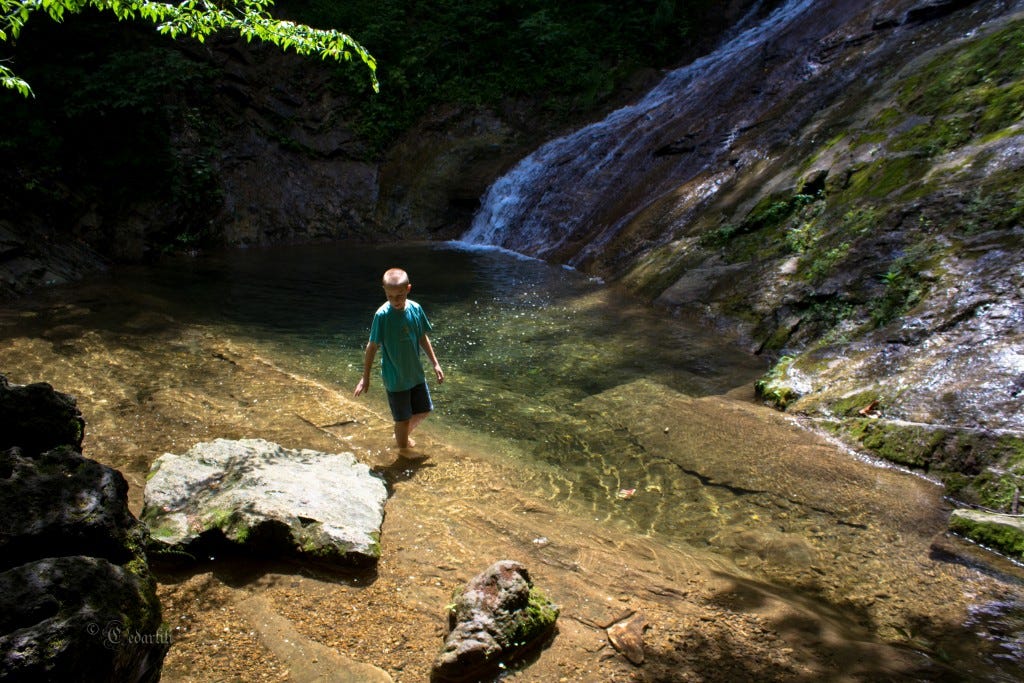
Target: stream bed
611, 412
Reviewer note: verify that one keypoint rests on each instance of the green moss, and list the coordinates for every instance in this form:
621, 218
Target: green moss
535, 619
910, 445
999, 532
935, 137
821, 265
773, 388
965, 96
883, 177
771, 213
778, 338
996, 489
956, 483
163, 532
851, 405
886, 119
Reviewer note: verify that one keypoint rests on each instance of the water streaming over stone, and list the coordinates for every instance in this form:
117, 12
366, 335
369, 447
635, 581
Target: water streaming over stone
588, 178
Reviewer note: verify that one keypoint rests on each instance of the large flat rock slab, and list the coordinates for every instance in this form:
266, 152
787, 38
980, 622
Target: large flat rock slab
260, 496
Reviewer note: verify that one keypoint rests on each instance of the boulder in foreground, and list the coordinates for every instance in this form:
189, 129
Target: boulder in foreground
256, 495
498, 617
77, 600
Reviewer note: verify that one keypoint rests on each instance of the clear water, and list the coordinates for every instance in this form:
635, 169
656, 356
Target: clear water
522, 343
616, 413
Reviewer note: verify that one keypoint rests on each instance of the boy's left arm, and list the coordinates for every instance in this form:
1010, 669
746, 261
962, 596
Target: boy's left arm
425, 344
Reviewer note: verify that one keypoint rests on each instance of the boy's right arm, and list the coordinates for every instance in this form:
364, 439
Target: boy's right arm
368, 356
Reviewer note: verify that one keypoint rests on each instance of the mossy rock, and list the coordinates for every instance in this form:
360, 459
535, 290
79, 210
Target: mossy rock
493, 622
774, 386
1002, 533
911, 445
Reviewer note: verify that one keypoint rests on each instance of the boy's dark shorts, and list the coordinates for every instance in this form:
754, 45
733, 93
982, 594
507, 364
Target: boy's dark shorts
405, 404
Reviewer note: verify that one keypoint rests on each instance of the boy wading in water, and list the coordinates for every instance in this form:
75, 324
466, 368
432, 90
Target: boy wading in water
400, 328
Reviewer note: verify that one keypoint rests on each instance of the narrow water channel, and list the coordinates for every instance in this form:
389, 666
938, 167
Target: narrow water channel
616, 413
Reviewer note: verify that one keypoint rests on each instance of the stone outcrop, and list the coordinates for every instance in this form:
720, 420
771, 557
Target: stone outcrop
36, 418
1003, 533
76, 594
31, 258
496, 618
257, 496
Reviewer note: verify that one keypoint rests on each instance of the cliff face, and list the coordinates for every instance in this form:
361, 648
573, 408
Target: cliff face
838, 187
872, 242
135, 145
877, 254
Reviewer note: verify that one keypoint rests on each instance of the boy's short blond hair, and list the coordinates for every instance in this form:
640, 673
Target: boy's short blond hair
395, 277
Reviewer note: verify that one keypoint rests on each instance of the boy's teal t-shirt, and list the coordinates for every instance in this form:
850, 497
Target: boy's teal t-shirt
398, 334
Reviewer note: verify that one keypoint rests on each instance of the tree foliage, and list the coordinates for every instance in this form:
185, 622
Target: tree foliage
564, 58
192, 18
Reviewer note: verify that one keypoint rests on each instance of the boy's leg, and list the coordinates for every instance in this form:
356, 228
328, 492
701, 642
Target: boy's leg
409, 408
421, 404
414, 422
401, 411
402, 430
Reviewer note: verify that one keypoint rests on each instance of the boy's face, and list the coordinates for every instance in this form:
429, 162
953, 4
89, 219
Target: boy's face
397, 295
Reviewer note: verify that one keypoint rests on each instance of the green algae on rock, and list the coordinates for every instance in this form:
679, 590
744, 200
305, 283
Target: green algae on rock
492, 622
1004, 533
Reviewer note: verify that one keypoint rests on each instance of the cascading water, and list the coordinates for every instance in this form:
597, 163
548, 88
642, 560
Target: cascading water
571, 185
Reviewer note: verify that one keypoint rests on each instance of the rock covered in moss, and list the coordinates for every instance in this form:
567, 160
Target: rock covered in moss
1003, 533
77, 599
256, 495
496, 618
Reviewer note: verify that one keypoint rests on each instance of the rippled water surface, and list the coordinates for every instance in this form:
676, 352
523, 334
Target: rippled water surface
616, 412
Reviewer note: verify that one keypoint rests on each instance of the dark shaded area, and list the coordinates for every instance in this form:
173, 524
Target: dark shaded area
936, 9
76, 597
61, 504
36, 418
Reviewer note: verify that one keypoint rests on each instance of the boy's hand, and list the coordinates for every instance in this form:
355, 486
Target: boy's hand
361, 388
439, 372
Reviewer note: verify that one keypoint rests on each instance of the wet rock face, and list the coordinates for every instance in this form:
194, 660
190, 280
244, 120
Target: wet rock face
76, 596
36, 418
497, 617
60, 503
255, 495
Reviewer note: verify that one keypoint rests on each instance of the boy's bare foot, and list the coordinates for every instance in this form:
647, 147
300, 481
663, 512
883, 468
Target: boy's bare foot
410, 454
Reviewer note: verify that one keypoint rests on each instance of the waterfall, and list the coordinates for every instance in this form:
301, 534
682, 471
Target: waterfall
587, 184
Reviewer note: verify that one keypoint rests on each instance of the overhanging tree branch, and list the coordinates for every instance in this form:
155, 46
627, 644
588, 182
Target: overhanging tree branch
196, 19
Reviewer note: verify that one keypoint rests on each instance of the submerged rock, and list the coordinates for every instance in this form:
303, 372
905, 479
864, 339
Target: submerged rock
257, 495
77, 599
627, 636
497, 617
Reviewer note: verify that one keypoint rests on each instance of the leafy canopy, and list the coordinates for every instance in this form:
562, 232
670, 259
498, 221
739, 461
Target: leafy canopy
193, 18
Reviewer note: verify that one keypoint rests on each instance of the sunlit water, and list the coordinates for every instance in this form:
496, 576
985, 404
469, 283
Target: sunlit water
615, 412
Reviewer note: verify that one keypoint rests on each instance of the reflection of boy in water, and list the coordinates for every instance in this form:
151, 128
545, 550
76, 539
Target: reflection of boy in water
400, 328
